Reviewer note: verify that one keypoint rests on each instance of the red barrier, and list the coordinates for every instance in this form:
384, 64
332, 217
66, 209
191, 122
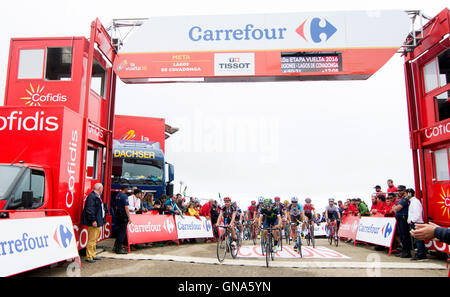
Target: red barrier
145, 228
349, 227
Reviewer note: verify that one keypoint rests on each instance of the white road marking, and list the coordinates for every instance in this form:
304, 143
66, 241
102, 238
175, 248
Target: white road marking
280, 264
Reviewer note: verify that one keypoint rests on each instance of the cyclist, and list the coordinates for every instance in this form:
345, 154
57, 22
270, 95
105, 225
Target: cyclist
258, 210
331, 213
309, 210
239, 216
251, 214
295, 215
272, 219
228, 214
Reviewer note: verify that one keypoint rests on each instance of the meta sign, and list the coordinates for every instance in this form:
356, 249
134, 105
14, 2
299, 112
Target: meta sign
262, 47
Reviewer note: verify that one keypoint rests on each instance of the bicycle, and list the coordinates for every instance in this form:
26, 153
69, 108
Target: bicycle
253, 232
268, 245
287, 233
224, 244
309, 233
298, 234
332, 233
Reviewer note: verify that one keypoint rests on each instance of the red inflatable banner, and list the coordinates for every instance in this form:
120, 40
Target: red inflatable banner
145, 228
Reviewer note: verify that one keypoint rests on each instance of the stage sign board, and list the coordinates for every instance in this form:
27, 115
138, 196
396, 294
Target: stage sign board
262, 47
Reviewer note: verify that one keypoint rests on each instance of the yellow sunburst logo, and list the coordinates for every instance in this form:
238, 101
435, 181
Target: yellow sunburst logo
33, 92
445, 202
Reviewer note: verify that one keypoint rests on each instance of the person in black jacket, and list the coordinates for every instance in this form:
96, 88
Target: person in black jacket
93, 217
430, 231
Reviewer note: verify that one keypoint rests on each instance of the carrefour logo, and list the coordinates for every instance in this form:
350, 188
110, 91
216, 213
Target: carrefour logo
168, 226
318, 30
207, 225
387, 230
62, 236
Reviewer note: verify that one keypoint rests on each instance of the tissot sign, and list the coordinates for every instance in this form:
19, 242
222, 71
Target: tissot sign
327, 44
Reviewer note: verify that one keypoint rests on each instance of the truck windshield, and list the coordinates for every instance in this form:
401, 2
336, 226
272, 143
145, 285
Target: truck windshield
135, 171
7, 175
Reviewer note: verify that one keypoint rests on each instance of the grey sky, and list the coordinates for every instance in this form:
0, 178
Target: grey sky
316, 139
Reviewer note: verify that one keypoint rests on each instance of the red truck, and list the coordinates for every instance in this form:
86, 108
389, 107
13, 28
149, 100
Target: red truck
56, 126
427, 74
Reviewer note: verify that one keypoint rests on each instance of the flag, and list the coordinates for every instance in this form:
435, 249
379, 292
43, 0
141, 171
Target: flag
184, 192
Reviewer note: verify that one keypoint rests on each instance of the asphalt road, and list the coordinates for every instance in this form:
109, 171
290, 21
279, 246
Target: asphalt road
199, 260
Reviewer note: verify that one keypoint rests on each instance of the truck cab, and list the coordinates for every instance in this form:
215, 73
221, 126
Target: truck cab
140, 164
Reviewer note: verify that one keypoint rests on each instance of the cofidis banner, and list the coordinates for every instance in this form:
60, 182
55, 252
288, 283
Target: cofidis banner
376, 230
192, 227
26, 244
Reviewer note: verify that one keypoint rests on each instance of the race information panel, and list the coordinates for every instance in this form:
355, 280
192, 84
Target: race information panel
301, 62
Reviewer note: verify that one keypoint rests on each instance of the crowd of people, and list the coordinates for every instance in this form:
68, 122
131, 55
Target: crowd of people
397, 201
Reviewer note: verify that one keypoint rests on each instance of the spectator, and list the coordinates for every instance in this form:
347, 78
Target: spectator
192, 211
171, 207
352, 209
363, 210
391, 188
374, 202
93, 217
380, 206
415, 216
388, 211
377, 190
147, 202
122, 219
341, 207
430, 231
206, 209
134, 203
214, 216
401, 208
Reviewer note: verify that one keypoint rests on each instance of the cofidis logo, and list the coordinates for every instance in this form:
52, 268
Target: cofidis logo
37, 96
316, 30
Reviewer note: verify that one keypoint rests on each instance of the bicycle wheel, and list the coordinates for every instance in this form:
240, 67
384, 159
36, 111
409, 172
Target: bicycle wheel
307, 236
280, 238
263, 244
330, 236
221, 247
268, 249
287, 233
336, 236
299, 244
311, 232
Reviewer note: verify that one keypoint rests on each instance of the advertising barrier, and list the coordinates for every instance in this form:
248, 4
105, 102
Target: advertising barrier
376, 230
320, 230
192, 227
349, 227
26, 244
145, 228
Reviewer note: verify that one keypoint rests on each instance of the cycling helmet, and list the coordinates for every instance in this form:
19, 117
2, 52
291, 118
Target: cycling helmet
277, 198
286, 202
227, 199
268, 201
331, 199
308, 200
253, 202
261, 199
294, 199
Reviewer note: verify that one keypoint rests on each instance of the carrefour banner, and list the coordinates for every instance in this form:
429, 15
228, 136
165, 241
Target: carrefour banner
193, 227
145, 228
376, 230
26, 244
310, 45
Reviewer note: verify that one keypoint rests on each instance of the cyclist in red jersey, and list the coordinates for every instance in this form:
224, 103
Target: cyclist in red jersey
309, 210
